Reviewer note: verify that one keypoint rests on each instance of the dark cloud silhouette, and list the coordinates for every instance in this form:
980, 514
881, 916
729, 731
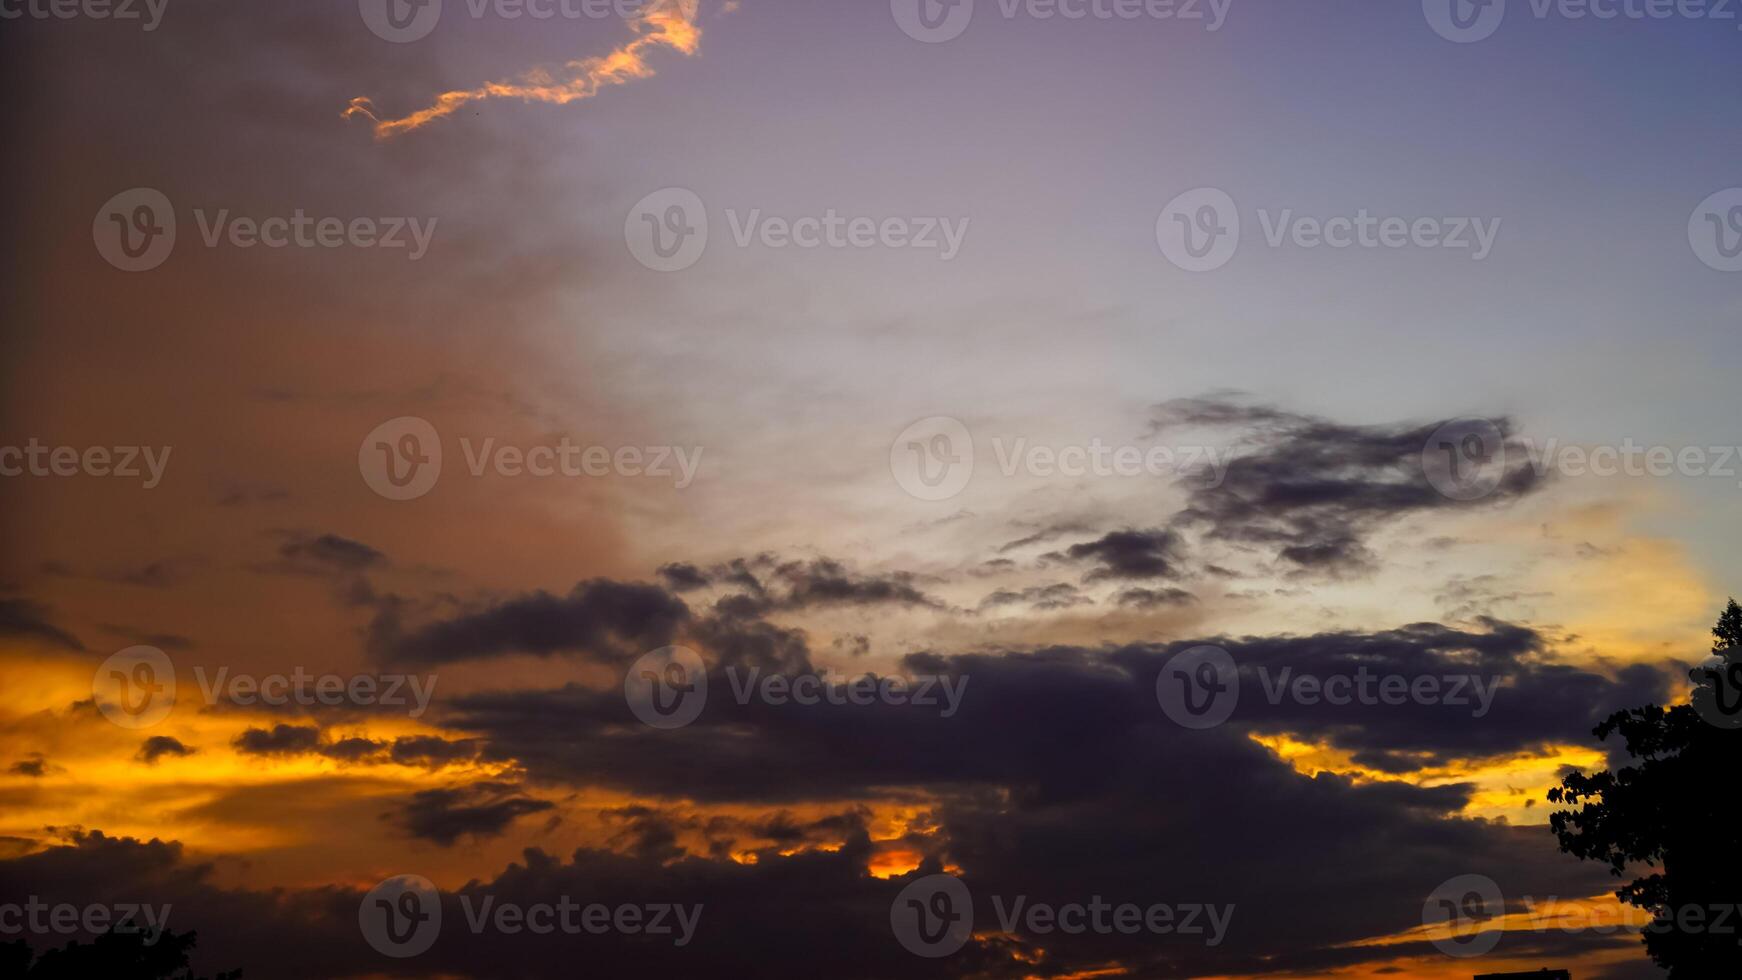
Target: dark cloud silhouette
1154, 598
1310, 490
602, 620
1059, 595
159, 746
1128, 554
27, 620
475, 810
279, 740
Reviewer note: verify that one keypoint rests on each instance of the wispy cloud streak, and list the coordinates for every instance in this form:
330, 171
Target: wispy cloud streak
665, 24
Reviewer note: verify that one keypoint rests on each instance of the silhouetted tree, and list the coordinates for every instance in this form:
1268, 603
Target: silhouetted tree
111, 956
1674, 810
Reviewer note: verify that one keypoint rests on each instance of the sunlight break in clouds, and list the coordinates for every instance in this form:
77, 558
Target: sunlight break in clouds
666, 23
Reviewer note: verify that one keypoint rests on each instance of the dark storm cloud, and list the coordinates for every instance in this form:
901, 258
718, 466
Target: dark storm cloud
429, 751
1047, 533
475, 810
1059, 595
34, 767
1129, 554
1154, 598
159, 746
1059, 778
682, 576
599, 619
1310, 490
432, 751
1534, 700
766, 583
279, 740
26, 620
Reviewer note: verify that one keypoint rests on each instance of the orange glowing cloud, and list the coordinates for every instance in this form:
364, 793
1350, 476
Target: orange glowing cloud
664, 24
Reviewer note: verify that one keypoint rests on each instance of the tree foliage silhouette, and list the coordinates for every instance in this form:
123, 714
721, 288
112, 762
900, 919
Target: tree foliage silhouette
110, 956
1674, 811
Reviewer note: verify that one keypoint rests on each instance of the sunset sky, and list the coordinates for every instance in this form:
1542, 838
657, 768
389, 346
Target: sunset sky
766, 420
